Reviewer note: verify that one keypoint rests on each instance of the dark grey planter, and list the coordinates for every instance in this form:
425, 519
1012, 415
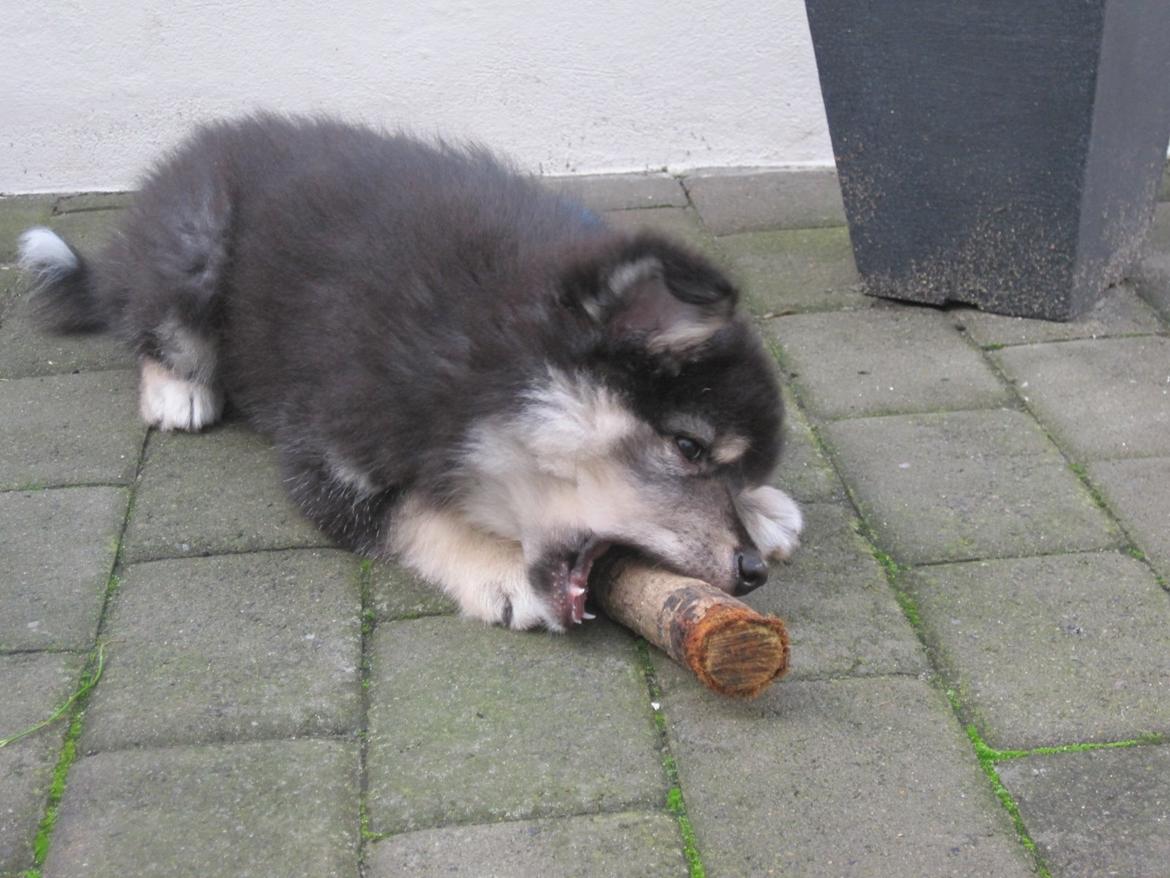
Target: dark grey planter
1000, 153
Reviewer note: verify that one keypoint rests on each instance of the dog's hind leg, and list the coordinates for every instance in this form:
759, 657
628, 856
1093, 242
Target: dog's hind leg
345, 504
169, 265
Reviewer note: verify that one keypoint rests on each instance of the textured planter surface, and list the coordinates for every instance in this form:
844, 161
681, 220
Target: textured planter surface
1000, 154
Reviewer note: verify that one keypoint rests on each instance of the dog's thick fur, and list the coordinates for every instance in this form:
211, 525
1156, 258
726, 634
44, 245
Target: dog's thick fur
457, 367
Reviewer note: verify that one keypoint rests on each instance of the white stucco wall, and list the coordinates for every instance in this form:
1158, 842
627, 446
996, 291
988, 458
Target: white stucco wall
90, 92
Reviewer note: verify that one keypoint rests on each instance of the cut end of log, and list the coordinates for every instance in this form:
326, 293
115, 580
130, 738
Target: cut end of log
736, 651
730, 647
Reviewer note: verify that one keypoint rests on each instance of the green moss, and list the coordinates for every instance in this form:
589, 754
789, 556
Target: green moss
989, 756
986, 752
1081, 473
1005, 799
89, 679
675, 803
95, 665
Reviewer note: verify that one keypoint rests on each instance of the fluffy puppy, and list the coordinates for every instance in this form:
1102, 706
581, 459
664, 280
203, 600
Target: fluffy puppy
458, 368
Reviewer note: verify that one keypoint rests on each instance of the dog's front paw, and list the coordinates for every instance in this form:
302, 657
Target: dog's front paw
772, 520
516, 607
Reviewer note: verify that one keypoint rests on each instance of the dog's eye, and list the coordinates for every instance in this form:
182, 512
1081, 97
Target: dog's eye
690, 448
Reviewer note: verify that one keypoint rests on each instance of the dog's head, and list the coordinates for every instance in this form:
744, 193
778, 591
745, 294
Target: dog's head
654, 428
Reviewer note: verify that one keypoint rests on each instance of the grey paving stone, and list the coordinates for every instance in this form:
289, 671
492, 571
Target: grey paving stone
56, 551
287, 808
397, 593
17, 213
1098, 813
804, 472
69, 430
1106, 398
573, 847
1138, 493
212, 493
1053, 650
795, 270
734, 200
679, 223
26, 351
965, 485
621, 191
475, 724
840, 612
31, 687
884, 362
1119, 312
239, 647
843, 777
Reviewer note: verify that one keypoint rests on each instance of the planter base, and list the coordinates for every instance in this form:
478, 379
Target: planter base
1000, 154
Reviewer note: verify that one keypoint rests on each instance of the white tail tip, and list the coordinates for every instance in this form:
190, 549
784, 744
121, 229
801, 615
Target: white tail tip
43, 252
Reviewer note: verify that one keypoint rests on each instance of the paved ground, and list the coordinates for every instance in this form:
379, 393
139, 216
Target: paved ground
980, 617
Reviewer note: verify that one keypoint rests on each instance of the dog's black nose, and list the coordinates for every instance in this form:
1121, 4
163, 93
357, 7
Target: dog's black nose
753, 571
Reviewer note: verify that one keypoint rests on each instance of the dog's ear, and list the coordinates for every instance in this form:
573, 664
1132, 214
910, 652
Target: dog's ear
654, 295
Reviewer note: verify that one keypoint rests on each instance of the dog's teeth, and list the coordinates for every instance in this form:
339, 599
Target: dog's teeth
575, 590
589, 616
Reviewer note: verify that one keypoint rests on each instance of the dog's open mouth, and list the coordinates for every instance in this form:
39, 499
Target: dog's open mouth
573, 580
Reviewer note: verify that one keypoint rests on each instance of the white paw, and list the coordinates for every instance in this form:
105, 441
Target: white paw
514, 605
485, 575
772, 520
169, 402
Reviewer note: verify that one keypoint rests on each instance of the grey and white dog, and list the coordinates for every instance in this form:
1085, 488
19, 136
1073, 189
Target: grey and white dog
458, 368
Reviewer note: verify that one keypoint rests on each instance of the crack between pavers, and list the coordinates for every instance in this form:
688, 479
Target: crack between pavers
1080, 470
624, 808
47, 650
1105, 550
68, 372
675, 801
341, 736
1005, 405
993, 346
996, 754
77, 210
231, 553
32, 489
369, 624
698, 213
68, 754
892, 571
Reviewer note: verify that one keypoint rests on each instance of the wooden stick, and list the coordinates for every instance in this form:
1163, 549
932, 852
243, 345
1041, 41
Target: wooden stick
730, 647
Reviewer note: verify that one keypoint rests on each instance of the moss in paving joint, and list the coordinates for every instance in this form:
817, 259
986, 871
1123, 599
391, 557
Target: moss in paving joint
675, 803
369, 619
987, 763
89, 678
1079, 470
914, 617
986, 751
1130, 548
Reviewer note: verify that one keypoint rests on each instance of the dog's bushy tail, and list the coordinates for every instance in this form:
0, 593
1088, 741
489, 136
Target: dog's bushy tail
63, 297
